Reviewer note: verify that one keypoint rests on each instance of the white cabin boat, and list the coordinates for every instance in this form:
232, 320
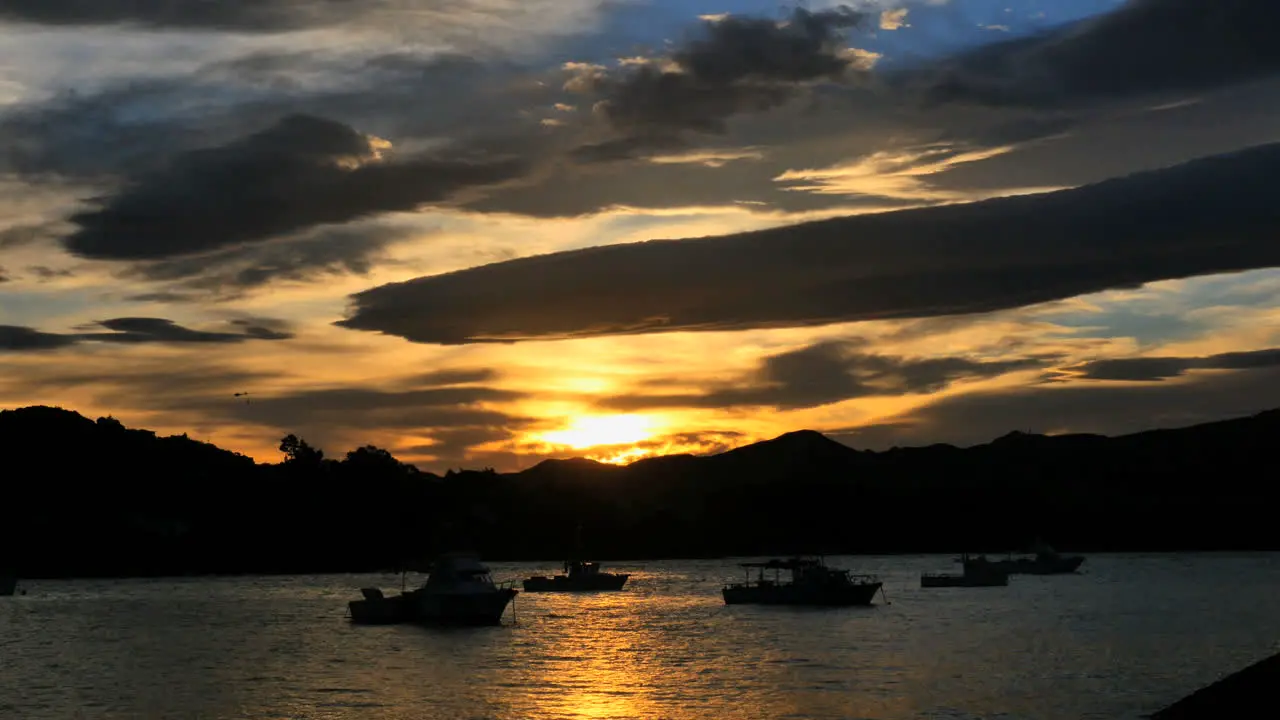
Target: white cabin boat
459, 591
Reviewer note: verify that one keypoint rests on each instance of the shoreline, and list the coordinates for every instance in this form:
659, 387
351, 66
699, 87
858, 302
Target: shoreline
616, 562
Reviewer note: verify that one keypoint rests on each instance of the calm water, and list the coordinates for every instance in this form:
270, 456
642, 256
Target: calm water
1132, 634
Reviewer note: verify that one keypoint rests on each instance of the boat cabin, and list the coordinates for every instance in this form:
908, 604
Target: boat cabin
806, 571
811, 583
459, 573
579, 568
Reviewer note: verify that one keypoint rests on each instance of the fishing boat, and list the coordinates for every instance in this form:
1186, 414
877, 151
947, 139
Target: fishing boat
458, 591
978, 572
1043, 560
811, 583
579, 576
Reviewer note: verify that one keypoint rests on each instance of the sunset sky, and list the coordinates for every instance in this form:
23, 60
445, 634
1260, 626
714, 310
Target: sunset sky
413, 223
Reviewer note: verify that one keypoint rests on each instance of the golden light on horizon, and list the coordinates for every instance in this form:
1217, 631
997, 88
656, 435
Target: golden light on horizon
587, 431
624, 457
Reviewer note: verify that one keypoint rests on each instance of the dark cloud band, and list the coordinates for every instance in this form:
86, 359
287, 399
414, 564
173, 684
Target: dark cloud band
240, 15
137, 330
1152, 369
828, 373
1144, 47
302, 172
1207, 216
739, 65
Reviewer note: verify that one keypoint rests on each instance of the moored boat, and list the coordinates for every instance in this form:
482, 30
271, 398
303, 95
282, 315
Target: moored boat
978, 572
812, 583
458, 591
1044, 561
378, 609
579, 576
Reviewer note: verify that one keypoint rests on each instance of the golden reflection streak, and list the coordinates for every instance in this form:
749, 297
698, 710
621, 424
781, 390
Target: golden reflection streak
598, 668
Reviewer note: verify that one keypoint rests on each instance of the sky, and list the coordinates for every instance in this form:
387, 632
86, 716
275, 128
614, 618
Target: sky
481, 233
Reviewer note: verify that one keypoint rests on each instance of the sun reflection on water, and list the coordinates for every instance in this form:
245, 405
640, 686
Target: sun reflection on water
1131, 636
595, 662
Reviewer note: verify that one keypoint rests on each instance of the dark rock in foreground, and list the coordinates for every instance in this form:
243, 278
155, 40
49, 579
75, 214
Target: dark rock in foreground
1244, 694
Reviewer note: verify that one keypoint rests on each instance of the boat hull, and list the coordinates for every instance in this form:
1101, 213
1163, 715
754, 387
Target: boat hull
381, 611
602, 582
840, 596
462, 609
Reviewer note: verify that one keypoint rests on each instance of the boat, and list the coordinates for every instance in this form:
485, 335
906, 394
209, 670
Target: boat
812, 583
378, 609
459, 591
978, 572
8, 584
579, 576
1044, 561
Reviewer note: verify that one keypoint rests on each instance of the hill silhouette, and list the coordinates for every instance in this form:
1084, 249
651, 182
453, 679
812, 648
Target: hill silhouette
94, 498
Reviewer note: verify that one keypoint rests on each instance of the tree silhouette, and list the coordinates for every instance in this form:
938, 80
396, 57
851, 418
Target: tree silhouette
106, 500
298, 452
376, 460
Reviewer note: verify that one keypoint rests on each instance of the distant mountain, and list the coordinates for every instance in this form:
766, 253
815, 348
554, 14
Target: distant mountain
91, 497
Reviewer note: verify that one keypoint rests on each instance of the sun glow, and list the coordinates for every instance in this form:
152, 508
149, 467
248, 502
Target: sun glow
623, 457
594, 430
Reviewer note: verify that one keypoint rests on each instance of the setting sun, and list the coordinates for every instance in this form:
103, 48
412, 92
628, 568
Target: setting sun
594, 430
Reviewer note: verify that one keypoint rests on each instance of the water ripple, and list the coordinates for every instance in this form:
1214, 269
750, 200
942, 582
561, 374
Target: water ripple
1133, 635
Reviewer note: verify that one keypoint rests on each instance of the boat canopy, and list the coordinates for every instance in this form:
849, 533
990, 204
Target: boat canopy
459, 564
